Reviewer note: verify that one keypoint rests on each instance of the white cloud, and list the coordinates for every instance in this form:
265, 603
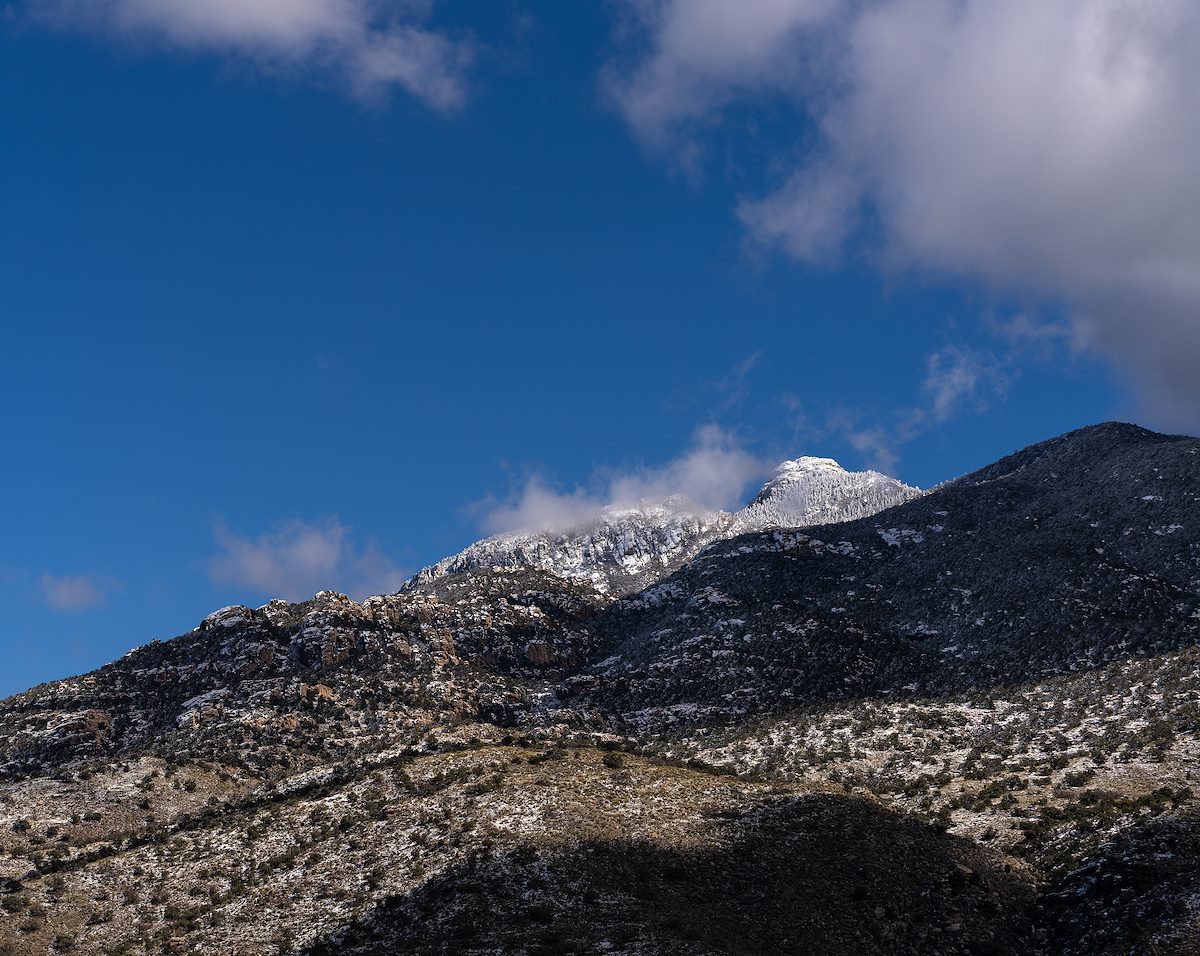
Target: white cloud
810, 217
297, 559
1043, 149
371, 45
713, 473
71, 594
538, 506
698, 55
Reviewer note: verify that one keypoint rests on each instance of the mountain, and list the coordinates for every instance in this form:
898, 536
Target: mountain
967, 723
1066, 556
626, 548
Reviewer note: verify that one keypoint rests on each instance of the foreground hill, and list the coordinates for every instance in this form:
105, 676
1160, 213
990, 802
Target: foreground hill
969, 723
479, 847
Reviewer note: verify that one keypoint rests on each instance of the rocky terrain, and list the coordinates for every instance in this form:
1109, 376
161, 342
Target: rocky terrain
966, 721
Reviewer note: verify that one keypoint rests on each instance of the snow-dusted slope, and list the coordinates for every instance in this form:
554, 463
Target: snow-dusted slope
626, 548
623, 549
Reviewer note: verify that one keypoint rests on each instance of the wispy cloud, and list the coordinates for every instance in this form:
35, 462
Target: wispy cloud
1042, 150
956, 377
297, 559
1046, 338
713, 473
879, 445
370, 46
733, 386
957, 380
73, 594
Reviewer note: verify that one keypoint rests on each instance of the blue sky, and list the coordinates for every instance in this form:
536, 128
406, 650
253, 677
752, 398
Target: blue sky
282, 312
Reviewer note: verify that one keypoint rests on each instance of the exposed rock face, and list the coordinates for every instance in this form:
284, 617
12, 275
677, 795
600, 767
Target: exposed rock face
486, 644
626, 549
763, 747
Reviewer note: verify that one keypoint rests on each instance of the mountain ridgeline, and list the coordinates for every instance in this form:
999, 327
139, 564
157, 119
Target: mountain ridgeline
626, 548
851, 717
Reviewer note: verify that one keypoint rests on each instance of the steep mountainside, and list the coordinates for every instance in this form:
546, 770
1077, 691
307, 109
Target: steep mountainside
627, 548
966, 724
1065, 556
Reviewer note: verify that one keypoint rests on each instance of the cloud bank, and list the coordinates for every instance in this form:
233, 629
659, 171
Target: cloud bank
713, 473
370, 45
297, 559
1045, 150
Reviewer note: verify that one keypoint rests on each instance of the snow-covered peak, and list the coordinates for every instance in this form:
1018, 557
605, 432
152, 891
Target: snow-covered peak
806, 465
626, 547
811, 491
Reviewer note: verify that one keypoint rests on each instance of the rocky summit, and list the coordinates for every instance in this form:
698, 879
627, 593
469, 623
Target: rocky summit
850, 718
